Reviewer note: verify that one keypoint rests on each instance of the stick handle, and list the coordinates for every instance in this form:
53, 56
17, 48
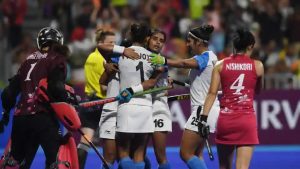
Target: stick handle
178, 97
153, 90
98, 102
210, 154
112, 99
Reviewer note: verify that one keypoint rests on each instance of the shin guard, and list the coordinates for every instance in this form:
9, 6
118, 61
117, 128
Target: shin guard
67, 154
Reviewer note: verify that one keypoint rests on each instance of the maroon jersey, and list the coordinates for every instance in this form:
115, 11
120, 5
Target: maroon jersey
238, 79
36, 67
237, 121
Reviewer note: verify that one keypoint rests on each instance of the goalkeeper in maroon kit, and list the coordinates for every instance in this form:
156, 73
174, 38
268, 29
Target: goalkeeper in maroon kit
34, 124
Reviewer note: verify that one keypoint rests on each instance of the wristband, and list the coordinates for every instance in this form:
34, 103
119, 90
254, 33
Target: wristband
137, 88
118, 49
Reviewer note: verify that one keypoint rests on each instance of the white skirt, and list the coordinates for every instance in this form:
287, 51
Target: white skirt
162, 115
192, 123
107, 124
134, 119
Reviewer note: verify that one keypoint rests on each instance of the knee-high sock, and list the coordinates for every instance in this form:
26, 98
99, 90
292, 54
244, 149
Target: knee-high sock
164, 166
139, 165
82, 150
147, 163
196, 163
126, 163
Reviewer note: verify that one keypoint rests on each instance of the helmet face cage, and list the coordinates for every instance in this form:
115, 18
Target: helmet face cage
47, 35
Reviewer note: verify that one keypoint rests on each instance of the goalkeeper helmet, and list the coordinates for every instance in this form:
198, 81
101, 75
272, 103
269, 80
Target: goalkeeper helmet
49, 35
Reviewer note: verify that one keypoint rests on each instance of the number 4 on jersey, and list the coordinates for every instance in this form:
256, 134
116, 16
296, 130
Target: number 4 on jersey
237, 85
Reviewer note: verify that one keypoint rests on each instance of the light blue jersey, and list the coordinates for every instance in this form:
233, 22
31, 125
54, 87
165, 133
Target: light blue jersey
200, 78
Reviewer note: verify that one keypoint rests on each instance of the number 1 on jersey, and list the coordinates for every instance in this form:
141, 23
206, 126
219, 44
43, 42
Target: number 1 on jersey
29, 72
237, 85
141, 68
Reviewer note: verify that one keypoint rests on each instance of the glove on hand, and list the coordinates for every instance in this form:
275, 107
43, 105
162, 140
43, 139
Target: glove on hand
157, 59
203, 127
125, 95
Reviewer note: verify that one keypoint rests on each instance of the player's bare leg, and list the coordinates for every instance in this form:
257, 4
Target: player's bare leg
123, 147
139, 144
189, 144
160, 143
225, 154
199, 151
109, 150
243, 156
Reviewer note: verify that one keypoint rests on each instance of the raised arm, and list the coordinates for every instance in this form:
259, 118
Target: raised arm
110, 48
110, 69
191, 63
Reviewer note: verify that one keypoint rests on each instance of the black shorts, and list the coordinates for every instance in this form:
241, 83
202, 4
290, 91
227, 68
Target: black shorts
90, 117
30, 131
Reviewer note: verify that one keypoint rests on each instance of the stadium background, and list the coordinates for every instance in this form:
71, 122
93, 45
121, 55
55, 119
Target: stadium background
275, 23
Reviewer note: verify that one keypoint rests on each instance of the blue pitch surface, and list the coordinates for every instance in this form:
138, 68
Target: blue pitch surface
265, 157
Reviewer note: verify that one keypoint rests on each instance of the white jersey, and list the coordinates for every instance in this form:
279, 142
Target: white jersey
113, 89
200, 78
161, 113
161, 82
134, 72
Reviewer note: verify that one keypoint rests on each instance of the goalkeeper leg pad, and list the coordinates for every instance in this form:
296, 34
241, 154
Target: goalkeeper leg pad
67, 154
67, 114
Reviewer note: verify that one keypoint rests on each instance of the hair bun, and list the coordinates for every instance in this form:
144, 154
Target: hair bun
139, 32
203, 32
208, 29
242, 39
135, 27
240, 32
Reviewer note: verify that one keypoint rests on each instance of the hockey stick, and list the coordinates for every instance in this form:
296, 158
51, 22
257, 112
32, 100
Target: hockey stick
182, 97
112, 99
95, 149
181, 83
178, 97
210, 154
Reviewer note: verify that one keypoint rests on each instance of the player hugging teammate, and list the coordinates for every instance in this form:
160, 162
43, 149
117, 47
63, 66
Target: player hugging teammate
156, 115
